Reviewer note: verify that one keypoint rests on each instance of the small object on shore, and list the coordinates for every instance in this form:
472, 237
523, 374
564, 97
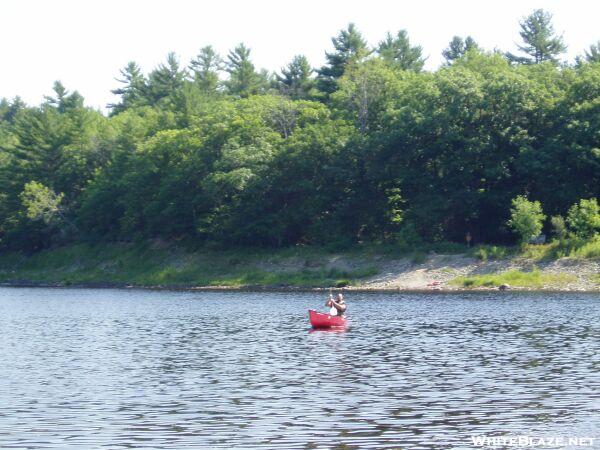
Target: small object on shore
538, 240
504, 287
322, 320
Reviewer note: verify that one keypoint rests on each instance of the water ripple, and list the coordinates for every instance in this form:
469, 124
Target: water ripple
129, 369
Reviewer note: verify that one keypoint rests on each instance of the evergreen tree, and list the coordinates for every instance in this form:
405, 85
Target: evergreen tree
540, 41
593, 54
394, 155
166, 80
349, 47
295, 79
458, 47
205, 69
243, 78
133, 90
8, 110
63, 100
398, 51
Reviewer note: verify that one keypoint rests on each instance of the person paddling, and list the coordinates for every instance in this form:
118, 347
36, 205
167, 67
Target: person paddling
337, 308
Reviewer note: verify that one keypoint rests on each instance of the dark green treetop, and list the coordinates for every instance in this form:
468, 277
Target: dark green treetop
63, 100
593, 54
295, 80
349, 47
167, 79
243, 78
458, 47
9, 109
398, 51
133, 89
205, 68
540, 42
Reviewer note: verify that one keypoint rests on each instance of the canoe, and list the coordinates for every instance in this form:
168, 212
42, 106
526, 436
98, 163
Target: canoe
322, 320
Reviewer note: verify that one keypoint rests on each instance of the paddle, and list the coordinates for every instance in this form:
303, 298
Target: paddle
332, 309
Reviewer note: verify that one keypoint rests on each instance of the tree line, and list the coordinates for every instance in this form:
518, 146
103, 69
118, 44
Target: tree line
368, 147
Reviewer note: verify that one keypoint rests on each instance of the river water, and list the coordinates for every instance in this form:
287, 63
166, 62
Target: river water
84, 368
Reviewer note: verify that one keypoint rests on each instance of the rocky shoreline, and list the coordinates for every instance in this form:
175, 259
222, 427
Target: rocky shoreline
437, 273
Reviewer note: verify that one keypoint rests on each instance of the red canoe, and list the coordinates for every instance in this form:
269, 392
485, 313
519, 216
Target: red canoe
322, 320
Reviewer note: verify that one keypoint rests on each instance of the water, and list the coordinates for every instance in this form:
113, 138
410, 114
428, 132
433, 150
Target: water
134, 369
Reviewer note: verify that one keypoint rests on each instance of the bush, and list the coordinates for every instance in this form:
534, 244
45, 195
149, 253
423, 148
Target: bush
407, 238
485, 252
584, 218
526, 218
559, 227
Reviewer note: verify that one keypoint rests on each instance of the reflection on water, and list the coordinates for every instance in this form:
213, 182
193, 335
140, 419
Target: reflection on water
126, 369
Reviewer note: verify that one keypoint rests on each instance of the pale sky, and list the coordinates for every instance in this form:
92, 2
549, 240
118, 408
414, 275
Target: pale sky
84, 43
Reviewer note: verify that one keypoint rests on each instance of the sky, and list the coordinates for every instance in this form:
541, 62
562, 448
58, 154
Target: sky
84, 43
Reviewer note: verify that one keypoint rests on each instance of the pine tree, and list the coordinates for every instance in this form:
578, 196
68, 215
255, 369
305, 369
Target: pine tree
243, 78
205, 69
166, 80
295, 80
133, 90
63, 100
9, 109
349, 47
458, 47
398, 51
540, 40
593, 54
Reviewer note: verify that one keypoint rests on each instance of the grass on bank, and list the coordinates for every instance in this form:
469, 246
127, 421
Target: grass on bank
571, 247
163, 264
565, 248
144, 265
514, 278
157, 263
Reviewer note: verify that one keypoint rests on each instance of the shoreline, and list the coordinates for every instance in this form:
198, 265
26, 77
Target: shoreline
292, 270
284, 289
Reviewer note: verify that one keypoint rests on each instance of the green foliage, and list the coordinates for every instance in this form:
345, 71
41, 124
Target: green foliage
371, 150
134, 89
165, 81
365, 90
515, 278
243, 79
458, 47
526, 218
487, 252
559, 227
147, 266
540, 43
584, 248
397, 51
205, 68
349, 47
295, 80
584, 218
569, 247
41, 203
592, 55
